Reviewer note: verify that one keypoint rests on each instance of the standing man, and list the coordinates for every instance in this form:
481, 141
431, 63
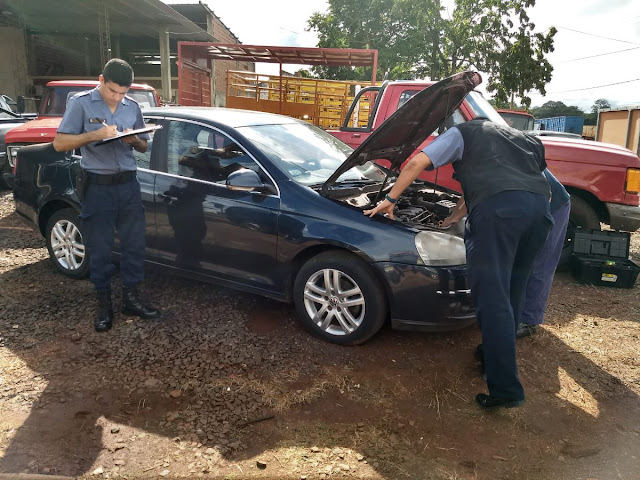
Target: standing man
507, 197
544, 266
112, 199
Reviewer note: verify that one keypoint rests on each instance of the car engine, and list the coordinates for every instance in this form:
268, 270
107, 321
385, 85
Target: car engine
419, 207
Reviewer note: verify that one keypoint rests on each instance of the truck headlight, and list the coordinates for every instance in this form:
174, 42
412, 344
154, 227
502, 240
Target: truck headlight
11, 155
438, 248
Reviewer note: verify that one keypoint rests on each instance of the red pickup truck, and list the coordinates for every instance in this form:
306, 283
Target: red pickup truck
603, 179
52, 107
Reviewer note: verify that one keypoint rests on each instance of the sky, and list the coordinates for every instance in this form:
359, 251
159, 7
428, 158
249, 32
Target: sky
585, 67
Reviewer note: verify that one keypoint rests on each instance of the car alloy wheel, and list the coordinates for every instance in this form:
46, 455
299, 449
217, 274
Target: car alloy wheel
334, 302
65, 244
339, 298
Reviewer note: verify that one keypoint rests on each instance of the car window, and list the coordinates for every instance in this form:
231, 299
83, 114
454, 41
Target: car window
405, 96
144, 159
195, 151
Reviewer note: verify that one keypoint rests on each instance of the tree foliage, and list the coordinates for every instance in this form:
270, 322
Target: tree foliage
600, 104
555, 109
418, 38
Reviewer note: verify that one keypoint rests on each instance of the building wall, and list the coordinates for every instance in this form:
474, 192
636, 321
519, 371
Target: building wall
220, 67
14, 71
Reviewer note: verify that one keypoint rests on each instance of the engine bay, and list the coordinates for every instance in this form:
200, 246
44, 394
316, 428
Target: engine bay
419, 206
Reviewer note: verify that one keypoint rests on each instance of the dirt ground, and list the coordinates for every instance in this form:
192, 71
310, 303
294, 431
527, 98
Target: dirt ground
227, 385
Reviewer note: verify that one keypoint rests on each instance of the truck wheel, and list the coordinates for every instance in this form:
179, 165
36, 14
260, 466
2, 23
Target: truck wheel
582, 215
338, 298
64, 242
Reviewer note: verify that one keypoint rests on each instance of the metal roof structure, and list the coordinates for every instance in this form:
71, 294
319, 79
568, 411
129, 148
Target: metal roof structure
291, 55
126, 18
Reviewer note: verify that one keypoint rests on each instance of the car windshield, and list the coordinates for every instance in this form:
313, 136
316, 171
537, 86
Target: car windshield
519, 121
307, 154
54, 101
482, 108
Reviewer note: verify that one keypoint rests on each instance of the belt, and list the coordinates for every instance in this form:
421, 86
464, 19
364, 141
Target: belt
113, 179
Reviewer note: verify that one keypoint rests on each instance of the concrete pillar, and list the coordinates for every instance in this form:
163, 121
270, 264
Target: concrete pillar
165, 66
87, 57
115, 47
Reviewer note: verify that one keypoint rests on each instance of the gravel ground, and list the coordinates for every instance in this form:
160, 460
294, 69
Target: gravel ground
227, 385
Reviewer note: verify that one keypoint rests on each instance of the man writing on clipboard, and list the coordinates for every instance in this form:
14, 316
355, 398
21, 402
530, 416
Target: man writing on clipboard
110, 195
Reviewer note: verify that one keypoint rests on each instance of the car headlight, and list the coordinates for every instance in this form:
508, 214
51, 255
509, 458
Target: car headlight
438, 248
11, 154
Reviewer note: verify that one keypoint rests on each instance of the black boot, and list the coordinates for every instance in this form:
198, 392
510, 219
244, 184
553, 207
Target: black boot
131, 304
104, 320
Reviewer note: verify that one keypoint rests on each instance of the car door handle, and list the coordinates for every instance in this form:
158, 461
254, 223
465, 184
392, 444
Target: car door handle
168, 199
356, 135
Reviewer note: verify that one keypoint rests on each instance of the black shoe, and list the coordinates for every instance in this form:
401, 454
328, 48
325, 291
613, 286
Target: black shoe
104, 320
131, 305
492, 403
525, 330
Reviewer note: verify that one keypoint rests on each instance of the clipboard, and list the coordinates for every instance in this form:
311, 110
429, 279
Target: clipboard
129, 133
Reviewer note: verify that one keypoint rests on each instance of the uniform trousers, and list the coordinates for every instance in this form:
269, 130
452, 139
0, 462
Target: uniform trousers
503, 235
544, 267
110, 208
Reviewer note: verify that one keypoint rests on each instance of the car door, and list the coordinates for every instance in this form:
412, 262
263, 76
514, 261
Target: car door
204, 227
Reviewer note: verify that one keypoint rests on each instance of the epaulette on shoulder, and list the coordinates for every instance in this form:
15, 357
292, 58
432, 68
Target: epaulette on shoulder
131, 99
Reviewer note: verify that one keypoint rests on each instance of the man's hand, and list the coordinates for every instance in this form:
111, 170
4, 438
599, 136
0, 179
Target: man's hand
383, 207
135, 141
447, 222
108, 131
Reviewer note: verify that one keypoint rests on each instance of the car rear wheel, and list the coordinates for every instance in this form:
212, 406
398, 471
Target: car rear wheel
582, 215
64, 242
338, 298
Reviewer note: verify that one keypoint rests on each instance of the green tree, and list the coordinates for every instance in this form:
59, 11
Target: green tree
417, 38
600, 104
555, 109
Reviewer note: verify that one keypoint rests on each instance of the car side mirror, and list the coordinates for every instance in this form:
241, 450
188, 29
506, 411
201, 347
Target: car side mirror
20, 104
245, 180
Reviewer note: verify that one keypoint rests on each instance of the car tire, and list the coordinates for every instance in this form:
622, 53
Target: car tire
64, 242
582, 215
342, 319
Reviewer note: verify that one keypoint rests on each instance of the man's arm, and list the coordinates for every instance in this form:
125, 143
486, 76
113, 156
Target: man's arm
65, 142
409, 173
445, 149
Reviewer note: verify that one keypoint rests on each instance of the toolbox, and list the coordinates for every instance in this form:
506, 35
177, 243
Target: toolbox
602, 258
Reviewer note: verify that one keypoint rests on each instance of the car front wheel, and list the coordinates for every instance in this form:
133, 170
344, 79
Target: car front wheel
64, 242
338, 298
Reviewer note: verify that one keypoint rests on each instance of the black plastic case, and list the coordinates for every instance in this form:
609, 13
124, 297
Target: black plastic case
602, 258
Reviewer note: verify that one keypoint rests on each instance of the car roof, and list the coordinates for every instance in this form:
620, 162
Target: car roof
230, 117
92, 83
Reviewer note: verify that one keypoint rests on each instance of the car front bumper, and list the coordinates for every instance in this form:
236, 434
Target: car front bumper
624, 217
428, 298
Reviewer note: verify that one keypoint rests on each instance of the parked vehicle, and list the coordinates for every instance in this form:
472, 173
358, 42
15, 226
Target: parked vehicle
273, 205
7, 103
52, 107
620, 126
603, 179
8, 120
551, 133
519, 119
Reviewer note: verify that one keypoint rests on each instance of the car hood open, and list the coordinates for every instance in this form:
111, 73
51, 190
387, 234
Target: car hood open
403, 132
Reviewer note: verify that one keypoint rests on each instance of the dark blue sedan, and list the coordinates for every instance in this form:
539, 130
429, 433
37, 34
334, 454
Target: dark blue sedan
272, 205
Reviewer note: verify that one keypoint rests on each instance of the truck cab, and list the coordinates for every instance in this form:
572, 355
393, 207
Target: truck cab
52, 107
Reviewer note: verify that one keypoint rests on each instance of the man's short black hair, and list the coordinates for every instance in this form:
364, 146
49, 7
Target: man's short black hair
118, 71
